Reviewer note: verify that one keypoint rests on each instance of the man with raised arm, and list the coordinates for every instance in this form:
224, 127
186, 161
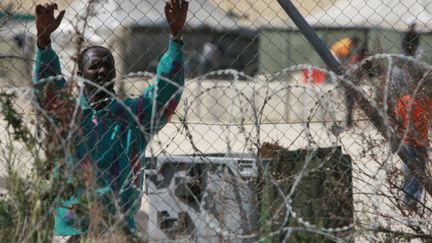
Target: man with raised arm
112, 135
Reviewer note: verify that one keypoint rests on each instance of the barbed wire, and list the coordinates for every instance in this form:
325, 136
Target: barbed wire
247, 157
305, 223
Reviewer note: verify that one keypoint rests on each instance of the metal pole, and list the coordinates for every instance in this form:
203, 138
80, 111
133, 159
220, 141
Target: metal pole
311, 36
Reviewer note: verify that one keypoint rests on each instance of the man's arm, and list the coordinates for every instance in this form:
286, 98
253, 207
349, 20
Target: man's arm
165, 92
161, 98
47, 63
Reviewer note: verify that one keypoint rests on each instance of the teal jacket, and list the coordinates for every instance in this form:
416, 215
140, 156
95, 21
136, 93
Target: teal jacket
111, 142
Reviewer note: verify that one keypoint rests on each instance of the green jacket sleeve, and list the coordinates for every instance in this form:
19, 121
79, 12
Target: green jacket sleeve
159, 101
47, 78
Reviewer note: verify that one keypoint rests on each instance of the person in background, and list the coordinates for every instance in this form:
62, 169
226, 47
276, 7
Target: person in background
343, 50
210, 57
404, 71
411, 42
364, 69
111, 135
414, 116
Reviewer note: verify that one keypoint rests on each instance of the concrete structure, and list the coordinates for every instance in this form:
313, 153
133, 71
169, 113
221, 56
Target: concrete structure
202, 198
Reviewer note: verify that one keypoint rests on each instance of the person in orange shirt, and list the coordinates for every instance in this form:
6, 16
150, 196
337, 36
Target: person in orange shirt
414, 115
344, 48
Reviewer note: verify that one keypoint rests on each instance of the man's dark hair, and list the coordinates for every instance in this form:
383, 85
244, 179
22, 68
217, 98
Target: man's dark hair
83, 53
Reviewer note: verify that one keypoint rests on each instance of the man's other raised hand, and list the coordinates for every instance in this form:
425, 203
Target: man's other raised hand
46, 23
176, 13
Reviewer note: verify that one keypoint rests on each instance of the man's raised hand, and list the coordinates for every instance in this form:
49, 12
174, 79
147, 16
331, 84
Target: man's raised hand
176, 12
46, 23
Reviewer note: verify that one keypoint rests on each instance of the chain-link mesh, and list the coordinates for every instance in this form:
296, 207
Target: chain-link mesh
261, 143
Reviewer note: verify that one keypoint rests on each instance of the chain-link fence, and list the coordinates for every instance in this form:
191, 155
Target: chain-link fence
234, 131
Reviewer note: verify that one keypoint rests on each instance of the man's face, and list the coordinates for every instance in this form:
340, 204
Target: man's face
98, 67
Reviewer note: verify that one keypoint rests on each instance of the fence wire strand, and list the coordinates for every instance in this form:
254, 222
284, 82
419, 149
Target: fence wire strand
262, 143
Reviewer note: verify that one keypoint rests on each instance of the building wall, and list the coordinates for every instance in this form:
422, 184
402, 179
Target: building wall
145, 47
